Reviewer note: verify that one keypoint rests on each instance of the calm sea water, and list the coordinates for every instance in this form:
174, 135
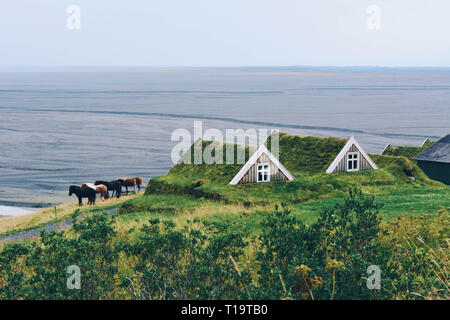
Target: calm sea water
63, 127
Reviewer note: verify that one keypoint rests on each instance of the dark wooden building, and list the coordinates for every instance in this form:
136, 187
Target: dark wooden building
435, 160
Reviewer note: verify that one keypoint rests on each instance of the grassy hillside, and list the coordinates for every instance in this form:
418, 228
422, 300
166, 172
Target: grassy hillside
397, 203
306, 158
203, 190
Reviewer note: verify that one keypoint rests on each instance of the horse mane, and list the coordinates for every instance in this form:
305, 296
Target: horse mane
89, 185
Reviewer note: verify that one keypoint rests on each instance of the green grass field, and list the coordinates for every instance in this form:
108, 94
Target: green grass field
189, 190
400, 202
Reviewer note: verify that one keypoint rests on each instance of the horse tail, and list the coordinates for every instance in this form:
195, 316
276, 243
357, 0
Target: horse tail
139, 181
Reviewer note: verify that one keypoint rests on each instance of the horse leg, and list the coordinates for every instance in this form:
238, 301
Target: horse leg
80, 201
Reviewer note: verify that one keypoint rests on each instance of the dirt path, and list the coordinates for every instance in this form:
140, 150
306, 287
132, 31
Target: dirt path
33, 233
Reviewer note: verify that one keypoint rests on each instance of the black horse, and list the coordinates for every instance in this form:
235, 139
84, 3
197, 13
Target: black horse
83, 193
114, 186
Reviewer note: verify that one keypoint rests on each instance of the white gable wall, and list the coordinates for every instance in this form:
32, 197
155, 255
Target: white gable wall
340, 162
262, 155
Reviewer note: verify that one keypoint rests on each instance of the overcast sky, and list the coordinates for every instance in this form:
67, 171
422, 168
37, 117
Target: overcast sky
225, 33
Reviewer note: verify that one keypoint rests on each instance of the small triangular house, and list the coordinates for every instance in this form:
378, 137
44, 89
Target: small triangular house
425, 142
262, 166
351, 158
386, 147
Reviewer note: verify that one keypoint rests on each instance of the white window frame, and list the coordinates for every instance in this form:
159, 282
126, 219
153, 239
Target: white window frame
352, 160
260, 168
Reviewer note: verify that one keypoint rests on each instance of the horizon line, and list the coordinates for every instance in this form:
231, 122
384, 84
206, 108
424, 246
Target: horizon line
80, 67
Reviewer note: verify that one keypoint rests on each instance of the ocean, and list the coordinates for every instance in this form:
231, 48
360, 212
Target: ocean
60, 127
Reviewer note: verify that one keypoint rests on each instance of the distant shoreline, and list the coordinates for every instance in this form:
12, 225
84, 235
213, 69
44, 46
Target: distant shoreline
87, 68
29, 204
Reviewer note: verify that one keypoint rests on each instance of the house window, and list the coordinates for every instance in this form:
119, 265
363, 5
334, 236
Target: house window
353, 161
263, 173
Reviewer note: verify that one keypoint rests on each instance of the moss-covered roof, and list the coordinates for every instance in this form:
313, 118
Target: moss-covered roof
298, 154
309, 155
306, 158
406, 151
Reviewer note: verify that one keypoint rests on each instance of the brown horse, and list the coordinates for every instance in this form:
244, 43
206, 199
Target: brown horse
139, 183
101, 189
132, 182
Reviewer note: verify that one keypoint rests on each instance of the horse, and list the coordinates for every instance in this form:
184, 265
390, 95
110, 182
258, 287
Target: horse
128, 182
101, 189
132, 182
114, 186
139, 183
83, 193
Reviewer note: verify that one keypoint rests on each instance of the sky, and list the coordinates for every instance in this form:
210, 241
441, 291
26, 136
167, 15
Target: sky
197, 33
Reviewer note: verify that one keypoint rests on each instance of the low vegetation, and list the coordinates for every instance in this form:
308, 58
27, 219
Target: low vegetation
204, 258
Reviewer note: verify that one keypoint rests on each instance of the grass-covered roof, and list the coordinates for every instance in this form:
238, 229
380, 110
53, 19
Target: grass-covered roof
306, 158
406, 151
308, 155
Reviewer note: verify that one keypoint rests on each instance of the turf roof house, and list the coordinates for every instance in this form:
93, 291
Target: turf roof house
435, 160
406, 151
263, 166
352, 158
